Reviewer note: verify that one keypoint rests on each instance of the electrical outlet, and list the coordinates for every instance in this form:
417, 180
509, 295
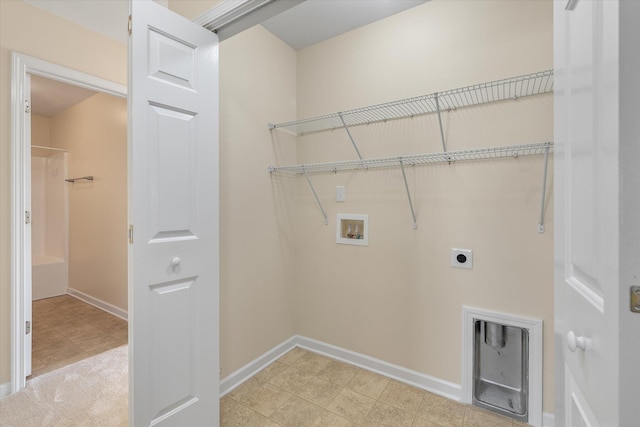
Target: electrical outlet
461, 258
340, 195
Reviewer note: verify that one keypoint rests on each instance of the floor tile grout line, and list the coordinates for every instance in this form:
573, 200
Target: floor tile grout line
466, 409
53, 313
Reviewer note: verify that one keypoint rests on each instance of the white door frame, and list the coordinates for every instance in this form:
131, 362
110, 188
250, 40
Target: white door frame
20, 152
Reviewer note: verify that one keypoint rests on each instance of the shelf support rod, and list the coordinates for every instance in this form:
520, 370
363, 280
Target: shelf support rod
406, 186
350, 137
544, 190
444, 147
324, 214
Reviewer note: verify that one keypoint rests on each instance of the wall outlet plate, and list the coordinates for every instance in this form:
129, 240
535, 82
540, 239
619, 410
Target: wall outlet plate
340, 193
462, 258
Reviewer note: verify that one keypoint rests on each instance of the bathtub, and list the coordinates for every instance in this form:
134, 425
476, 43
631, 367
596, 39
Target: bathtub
49, 276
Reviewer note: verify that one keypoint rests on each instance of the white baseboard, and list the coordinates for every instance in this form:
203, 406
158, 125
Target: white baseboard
426, 382
5, 389
233, 380
98, 303
548, 420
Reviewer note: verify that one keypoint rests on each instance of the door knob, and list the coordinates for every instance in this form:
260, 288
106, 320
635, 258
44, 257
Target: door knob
574, 342
175, 261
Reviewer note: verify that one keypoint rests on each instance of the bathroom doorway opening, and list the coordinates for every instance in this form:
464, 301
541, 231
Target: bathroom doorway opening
78, 213
76, 143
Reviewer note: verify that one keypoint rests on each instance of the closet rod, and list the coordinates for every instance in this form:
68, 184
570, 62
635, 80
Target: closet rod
87, 178
42, 147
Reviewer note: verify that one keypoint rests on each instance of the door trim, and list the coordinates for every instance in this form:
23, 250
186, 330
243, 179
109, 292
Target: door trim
21, 65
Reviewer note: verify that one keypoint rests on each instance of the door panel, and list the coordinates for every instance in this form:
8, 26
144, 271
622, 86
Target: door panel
587, 214
174, 212
174, 377
578, 412
582, 209
172, 171
171, 59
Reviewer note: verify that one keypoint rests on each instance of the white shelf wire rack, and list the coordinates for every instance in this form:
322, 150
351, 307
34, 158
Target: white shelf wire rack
499, 90
514, 151
418, 159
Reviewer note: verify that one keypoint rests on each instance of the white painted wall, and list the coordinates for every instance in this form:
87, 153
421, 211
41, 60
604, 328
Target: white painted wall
61, 42
398, 299
257, 252
94, 132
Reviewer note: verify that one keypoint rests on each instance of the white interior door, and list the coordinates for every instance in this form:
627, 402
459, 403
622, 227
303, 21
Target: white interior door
173, 202
28, 268
596, 230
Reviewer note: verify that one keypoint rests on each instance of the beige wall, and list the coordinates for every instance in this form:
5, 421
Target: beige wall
257, 85
95, 134
192, 8
398, 299
40, 130
29, 30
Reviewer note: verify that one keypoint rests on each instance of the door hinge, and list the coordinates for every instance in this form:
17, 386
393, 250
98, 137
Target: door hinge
27, 217
131, 234
27, 106
130, 25
635, 299
27, 327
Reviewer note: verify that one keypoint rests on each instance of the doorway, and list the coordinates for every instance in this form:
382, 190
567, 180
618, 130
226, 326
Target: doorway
79, 266
24, 68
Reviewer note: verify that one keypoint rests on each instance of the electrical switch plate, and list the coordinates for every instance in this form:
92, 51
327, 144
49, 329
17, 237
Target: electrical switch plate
461, 258
340, 193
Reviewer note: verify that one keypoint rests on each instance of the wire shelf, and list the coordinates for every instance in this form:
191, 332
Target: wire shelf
499, 90
418, 159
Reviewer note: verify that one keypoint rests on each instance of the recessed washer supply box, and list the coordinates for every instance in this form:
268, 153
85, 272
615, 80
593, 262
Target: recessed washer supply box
352, 229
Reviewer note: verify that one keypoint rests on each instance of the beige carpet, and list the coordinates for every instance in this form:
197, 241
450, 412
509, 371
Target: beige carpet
92, 392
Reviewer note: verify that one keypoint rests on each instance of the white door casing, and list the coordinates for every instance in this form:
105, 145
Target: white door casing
173, 207
22, 67
27, 250
596, 382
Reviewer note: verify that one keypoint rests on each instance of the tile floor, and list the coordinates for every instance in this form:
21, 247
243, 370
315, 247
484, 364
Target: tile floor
303, 388
66, 330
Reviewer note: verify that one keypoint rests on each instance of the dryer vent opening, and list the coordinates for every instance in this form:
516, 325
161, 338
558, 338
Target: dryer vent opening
501, 368
502, 364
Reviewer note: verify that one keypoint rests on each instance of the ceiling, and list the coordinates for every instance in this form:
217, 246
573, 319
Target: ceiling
50, 97
308, 23
106, 17
313, 21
